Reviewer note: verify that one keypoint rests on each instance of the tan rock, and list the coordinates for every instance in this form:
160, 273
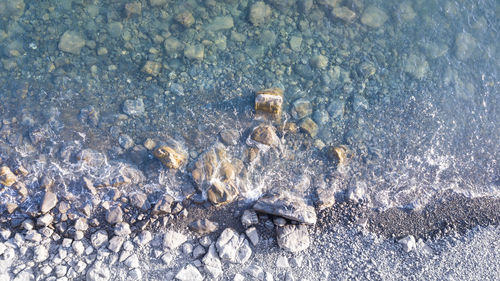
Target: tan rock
170, 157
309, 126
265, 134
339, 153
344, 13
194, 52
71, 42
185, 18
222, 193
7, 178
374, 17
260, 13
269, 102
152, 68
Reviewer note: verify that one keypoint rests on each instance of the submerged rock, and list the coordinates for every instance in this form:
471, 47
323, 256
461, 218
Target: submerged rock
260, 13
170, 156
465, 45
7, 178
286, 206
309, 126
221, 193
339, 153
264, 134
293, 238
374, 17
185, 18
213, 172
344, 13
269, 102
71, 42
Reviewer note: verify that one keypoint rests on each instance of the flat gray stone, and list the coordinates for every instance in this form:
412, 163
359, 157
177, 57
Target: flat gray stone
212, 263
98, 272
286, 206
49, 202
203, 226
189, 273
293, 238
233, 247
173, 239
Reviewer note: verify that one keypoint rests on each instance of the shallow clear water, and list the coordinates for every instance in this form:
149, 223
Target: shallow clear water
411, 88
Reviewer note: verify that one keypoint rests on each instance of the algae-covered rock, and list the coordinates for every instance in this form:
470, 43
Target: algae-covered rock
309, 126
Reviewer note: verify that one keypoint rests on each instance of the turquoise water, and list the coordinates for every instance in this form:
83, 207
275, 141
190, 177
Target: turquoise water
411, 88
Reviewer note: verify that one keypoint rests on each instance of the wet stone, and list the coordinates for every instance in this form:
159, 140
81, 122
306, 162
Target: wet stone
125, 141
71, 42
194, 52
286, 206
309, 126
134, 107
293, 238
152, 68
203, 226
416, 65
265, 134
319, 61
170, 157
465, 45
301, 108
260, 13
221, 193
133, 8
233, 247
49, 202
269, 102
7, 178
339, 154
172, 45
374, 17
185, 18
229, 137
221, 23
344, 13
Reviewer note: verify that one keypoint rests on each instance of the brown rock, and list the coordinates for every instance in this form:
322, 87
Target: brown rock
265, 134
222, 193
309, 126
269, 102
11, 207
185, 18
7, 178
170, 157
339, 153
